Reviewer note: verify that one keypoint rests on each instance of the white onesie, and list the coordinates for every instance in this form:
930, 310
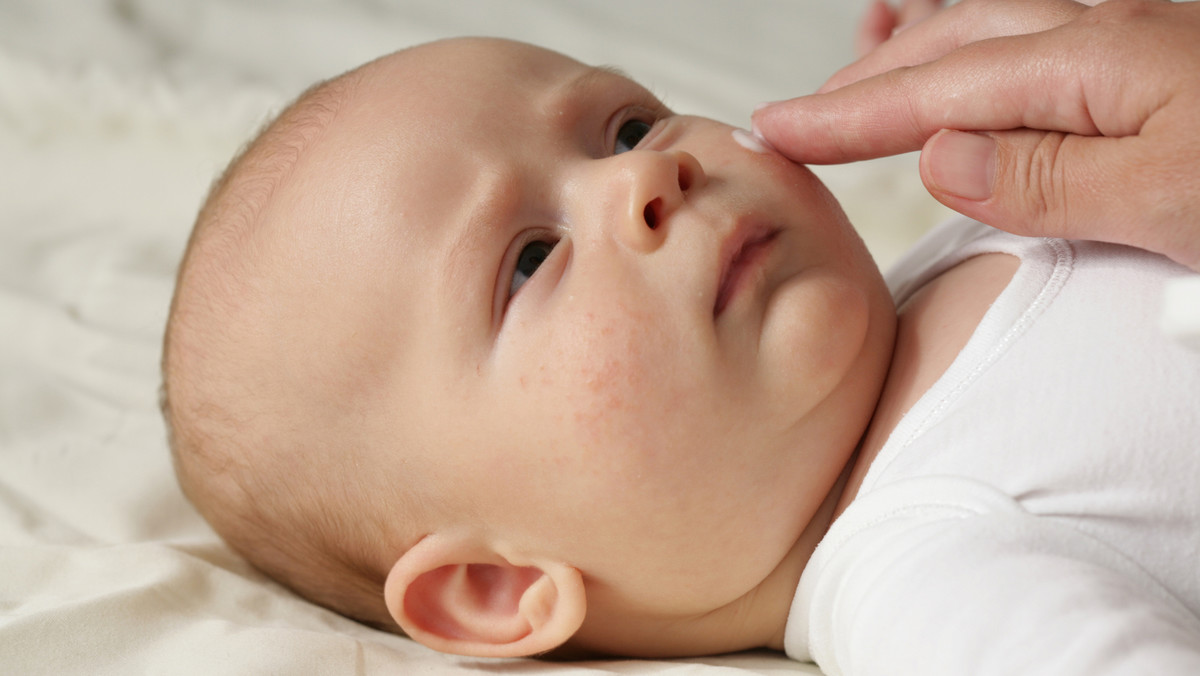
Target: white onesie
1037, 511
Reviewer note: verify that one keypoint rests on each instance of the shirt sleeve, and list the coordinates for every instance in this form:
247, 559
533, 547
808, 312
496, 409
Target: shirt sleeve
992, 594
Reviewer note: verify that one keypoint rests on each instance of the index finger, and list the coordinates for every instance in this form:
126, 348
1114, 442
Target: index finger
1031, 80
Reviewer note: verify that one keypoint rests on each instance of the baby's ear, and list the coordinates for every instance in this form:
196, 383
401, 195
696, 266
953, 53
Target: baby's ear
457, 595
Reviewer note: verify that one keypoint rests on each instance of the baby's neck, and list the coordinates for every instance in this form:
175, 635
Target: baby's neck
780, 586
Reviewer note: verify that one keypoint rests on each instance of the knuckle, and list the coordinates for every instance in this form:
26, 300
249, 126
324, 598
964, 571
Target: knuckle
1114, 23
1021, 16
1123, 11
1111, 19
1040, 181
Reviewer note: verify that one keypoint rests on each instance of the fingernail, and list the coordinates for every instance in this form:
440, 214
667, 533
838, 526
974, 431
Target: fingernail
963, 164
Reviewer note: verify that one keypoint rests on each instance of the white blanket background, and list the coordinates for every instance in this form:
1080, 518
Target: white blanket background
114, 117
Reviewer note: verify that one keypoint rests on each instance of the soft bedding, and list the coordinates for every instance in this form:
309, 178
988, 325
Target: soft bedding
114, 117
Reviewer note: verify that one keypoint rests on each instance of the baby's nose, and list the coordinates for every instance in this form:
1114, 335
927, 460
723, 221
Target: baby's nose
658, 183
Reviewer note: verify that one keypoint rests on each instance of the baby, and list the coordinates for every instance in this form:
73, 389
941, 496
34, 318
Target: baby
485, 345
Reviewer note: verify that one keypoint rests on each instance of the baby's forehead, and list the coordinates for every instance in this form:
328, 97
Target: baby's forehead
464, 69
473, 54
405, 103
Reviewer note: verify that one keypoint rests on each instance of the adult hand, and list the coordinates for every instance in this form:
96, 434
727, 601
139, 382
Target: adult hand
1042, 117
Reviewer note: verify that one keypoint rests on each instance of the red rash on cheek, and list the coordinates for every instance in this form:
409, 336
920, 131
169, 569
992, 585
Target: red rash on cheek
607, 388
605, 379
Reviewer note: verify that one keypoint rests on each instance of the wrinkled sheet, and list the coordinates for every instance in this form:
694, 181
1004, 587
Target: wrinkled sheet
114, 117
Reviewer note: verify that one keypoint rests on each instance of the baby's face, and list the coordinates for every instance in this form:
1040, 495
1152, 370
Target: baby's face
567, 317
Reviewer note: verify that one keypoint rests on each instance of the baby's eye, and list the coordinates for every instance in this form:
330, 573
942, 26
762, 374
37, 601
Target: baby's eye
630, 134
528, 262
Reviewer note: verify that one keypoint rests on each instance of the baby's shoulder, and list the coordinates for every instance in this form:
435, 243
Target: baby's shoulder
937, 320
933, 325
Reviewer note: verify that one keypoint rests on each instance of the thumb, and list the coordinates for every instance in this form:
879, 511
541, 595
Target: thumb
1037, 183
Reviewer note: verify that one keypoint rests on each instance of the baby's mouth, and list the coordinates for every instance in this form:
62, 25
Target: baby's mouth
747, 248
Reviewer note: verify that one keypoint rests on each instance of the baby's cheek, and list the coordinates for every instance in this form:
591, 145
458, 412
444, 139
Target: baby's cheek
617, 384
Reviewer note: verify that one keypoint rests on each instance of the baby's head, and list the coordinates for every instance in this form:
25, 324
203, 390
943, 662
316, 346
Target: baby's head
376, 400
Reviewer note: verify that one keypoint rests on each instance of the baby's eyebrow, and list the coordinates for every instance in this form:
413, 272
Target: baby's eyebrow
589, 78
595, 74
612, 70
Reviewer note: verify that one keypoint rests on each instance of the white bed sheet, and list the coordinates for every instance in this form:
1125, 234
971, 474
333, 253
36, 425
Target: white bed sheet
114, 116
